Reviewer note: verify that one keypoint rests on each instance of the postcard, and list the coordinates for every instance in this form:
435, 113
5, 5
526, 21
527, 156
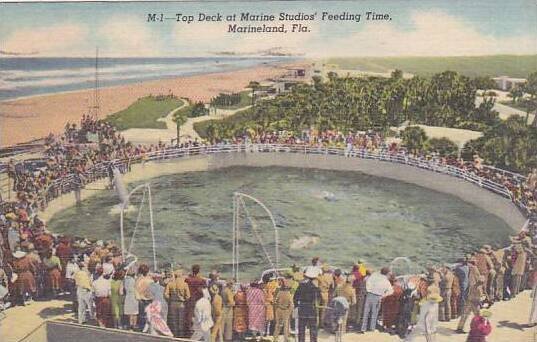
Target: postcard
348, 170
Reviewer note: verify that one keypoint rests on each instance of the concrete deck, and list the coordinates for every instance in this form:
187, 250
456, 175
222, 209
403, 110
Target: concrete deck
509, 323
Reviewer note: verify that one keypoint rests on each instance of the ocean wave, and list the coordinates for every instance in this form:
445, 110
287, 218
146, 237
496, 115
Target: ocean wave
38, 80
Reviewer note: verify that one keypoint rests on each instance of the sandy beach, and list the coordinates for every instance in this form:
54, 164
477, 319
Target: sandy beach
28, 118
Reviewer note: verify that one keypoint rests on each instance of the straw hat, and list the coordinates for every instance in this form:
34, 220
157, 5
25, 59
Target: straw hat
435, 297
214, 289
485, 249
19, 254
11, 216
485, 313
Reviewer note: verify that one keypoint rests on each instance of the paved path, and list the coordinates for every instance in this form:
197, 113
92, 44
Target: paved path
508, 320
504, 110
188, 128
149, 136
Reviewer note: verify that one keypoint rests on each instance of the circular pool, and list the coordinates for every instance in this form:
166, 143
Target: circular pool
338, 215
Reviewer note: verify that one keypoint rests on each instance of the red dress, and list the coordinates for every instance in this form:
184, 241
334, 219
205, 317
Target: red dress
391, 306
24, 267
240, 313
480, 328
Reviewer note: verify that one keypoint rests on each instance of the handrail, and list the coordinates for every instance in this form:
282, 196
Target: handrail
66, 184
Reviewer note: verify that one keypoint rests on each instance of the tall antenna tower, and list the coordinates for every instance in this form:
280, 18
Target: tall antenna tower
96, 104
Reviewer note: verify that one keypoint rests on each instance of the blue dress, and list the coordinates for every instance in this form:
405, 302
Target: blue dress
131, 303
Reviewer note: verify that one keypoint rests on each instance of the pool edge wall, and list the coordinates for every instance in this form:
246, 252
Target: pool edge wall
466, 191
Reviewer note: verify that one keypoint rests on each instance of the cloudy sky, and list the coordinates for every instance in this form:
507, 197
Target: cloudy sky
417, 28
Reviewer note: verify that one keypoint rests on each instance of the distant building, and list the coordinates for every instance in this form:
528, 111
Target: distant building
506, 82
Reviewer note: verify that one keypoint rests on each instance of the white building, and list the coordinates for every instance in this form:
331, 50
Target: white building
506, 83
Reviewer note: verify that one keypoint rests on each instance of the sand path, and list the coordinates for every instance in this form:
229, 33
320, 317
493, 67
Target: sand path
188, 130
148, 136
504, 110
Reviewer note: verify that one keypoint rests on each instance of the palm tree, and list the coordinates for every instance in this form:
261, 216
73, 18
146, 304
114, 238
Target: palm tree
179, 117
254, 85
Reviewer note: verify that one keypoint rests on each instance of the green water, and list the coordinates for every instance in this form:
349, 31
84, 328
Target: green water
369, 217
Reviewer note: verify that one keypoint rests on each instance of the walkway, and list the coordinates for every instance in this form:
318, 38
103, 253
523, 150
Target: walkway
149, 136
508, 320
504, 110
188, 128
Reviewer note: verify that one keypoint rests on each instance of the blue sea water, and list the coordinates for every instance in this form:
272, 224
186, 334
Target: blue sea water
33, 76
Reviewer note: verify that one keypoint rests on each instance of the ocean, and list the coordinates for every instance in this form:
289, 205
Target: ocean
34, 76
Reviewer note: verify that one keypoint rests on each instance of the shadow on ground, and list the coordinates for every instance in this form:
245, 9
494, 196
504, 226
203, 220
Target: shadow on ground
53, 312
511, 325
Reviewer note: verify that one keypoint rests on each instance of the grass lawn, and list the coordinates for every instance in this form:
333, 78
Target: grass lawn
246, 100
144, 113
510, 65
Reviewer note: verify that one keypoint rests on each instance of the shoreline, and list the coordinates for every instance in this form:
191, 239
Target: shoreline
37, 116
267, 64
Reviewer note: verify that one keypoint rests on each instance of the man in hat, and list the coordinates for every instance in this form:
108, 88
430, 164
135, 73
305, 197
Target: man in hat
306, 300
326, 283
427, 319
485, 266
346, 291
177, 293
217, 309
228, 302
480, 327
446, 286
83, 292
283, 308
519, 267
377, 286
472, 304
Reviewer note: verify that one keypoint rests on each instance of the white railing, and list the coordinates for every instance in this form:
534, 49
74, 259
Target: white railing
66, 183
361, 153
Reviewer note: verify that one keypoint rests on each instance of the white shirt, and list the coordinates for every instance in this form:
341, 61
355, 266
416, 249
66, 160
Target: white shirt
108, 268
378, 284
70, 270
101, 287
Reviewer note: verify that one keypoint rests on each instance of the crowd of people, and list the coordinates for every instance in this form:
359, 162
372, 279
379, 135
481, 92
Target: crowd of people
37, 265
116, 293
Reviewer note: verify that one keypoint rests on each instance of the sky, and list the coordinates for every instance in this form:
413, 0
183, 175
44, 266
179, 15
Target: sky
416, 28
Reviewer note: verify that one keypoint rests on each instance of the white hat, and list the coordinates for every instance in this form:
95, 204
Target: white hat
19, 254
312, 272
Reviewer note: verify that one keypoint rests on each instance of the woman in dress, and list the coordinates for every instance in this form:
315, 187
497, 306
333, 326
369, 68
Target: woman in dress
25, 283
255, 297
54, 268
116, 297
240, 313
130, 308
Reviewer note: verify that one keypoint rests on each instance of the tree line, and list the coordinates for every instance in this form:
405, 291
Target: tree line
447, 99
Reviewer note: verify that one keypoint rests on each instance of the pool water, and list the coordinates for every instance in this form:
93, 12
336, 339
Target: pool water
338, 215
